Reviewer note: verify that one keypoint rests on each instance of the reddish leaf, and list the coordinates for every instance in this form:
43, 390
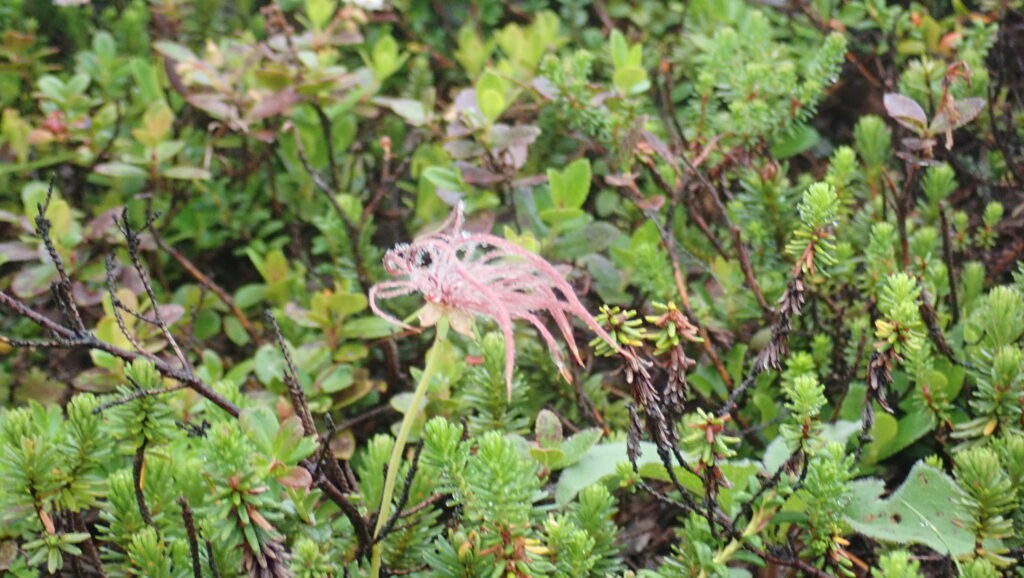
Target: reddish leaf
274, 104
906, 111
213, 105
15, 251
33, 281
169, 313
297, 477
102, 225
964, 111
475, 175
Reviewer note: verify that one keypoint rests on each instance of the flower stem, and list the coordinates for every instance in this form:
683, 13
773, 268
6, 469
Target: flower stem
433, 357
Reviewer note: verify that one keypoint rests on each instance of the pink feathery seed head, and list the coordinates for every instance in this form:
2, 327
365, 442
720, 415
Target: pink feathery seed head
466, 274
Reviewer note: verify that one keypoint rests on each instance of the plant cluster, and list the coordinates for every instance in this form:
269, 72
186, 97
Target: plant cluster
288, 288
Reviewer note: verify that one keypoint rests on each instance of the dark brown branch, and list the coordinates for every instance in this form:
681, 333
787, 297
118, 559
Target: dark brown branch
354, 233
669, 242
89, 341
947, 256
362, 529
691, 210
210, 561
137, 464
132, 238
741, 249
350, 227
790, 561
117, 307
190, 532
325, 128
137, 395
62, 289
291, 379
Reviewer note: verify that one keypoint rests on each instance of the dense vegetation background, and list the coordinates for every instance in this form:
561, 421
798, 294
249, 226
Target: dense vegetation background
792, 230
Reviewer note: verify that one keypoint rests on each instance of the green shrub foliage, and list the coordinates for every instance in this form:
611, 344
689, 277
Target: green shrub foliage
264, 266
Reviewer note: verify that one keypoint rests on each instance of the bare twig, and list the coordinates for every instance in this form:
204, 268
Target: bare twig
190, 532
117, 307
947, 256
210, 561
137, 464
734, 230
62, 288
68, 338
354, 233
291, 379
138, 395
132, 238
403, 499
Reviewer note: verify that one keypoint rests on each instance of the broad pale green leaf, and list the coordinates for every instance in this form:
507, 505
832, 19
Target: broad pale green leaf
777, 453
619, 49
923, 511
547, 457
548, 429
235, 331
51, 87
444, 178
565, 218
579, 444
269, 364
598, 463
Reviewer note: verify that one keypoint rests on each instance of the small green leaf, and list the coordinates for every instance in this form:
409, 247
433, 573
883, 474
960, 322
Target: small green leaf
411, 110
235, 331
547, 457
570, 186
631, 79
320, 12
121, 170
491, 104
259, 425
186, 173
798, 140
619, 48
174, 50
337, 379
565, 218
366, 328
548, 429
445, 178
578, 445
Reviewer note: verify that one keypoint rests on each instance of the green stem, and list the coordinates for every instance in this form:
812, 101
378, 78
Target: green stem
433, 357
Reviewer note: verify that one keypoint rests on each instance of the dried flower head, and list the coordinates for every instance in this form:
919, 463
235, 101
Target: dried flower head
463, 274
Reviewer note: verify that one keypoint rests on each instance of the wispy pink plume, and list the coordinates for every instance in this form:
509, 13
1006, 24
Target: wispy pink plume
481, 274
